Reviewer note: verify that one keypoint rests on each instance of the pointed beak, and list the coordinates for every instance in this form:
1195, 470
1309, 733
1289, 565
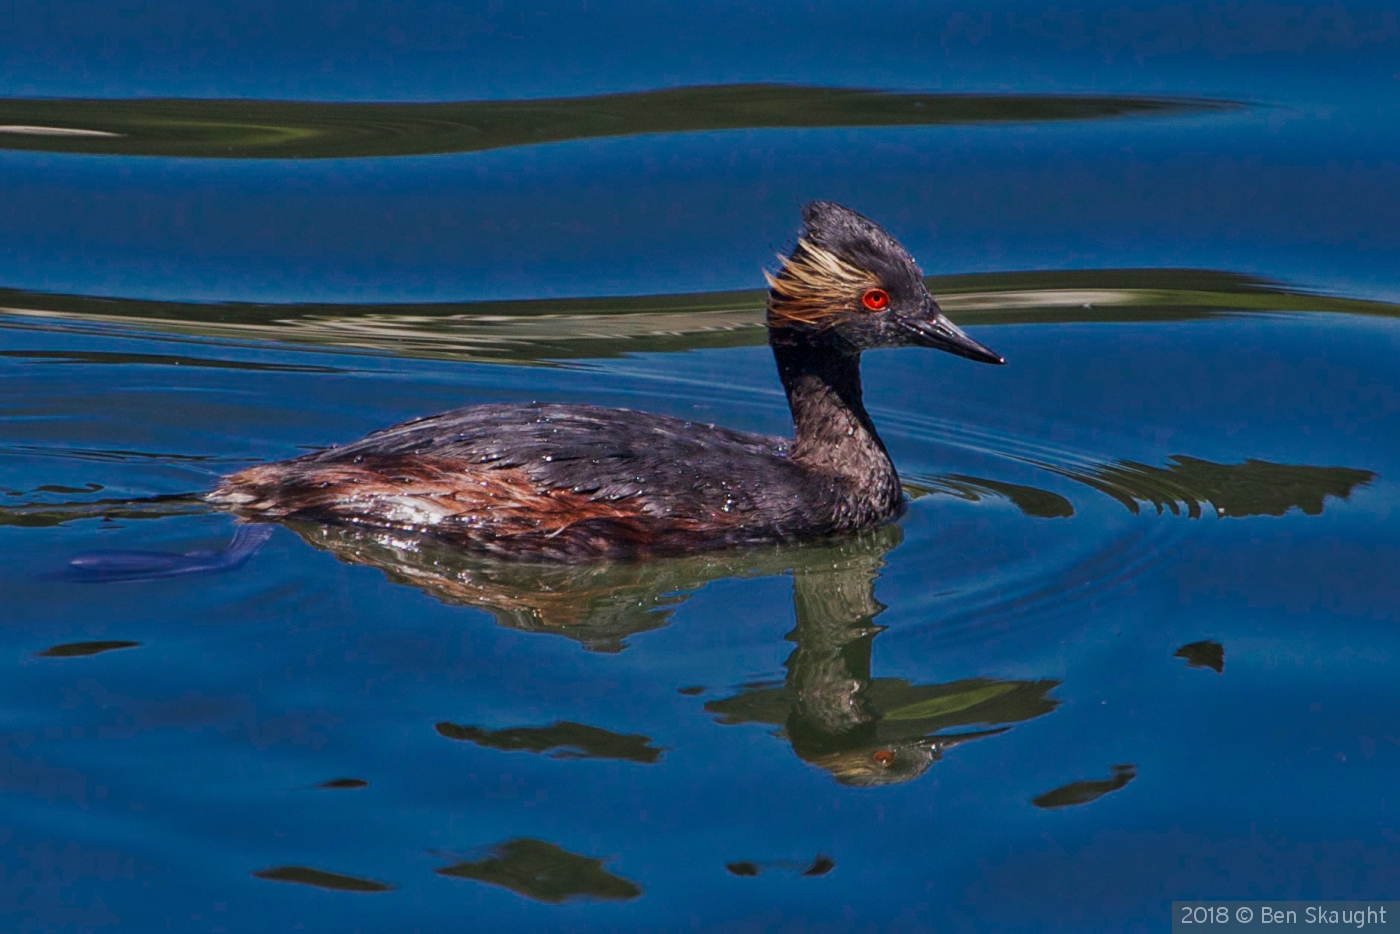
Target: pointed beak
943, 334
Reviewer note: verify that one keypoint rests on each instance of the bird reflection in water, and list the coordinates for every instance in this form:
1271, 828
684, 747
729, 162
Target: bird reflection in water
868, 731
864, 731
598, 604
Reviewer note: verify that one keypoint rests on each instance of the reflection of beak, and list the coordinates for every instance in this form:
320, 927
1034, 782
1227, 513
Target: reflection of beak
943, 334
939, 741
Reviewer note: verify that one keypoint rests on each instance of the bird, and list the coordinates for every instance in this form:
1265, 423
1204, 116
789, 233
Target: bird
568, 482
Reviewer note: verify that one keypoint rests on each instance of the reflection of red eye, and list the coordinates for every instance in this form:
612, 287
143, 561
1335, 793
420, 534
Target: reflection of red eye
884, 757
876, 299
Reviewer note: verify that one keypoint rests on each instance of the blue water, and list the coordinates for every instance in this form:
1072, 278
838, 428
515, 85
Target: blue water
1178, 472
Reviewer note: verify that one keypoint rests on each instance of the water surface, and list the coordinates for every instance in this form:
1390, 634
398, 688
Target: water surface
1132, 640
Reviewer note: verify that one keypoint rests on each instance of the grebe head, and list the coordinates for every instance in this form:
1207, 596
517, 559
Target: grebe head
848, 279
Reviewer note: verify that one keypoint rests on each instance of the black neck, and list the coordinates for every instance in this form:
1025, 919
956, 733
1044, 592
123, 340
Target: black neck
834, 433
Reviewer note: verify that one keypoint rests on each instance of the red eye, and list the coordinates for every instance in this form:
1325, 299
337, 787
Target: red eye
876, 299
884, 756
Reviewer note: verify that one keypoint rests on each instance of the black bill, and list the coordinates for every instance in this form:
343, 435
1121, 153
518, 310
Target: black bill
943, 334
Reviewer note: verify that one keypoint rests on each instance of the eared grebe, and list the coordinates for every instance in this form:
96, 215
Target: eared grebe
577, 481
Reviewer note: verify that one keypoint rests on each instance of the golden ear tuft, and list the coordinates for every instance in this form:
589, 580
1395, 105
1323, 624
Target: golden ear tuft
816, 287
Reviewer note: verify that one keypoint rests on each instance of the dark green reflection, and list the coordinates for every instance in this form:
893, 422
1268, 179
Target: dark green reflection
258, 129
343, 784
544, 872
563, 740
1206, 654
1040, 504
321, 879
863, 730
556, 329
1254, 488
1084, 792
817, 867
31, 514
79, 649
1186, 484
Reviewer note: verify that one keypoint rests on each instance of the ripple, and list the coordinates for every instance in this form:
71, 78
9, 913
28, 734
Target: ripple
1012, 583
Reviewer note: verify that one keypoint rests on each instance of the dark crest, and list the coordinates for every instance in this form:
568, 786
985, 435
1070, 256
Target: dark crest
839, 257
